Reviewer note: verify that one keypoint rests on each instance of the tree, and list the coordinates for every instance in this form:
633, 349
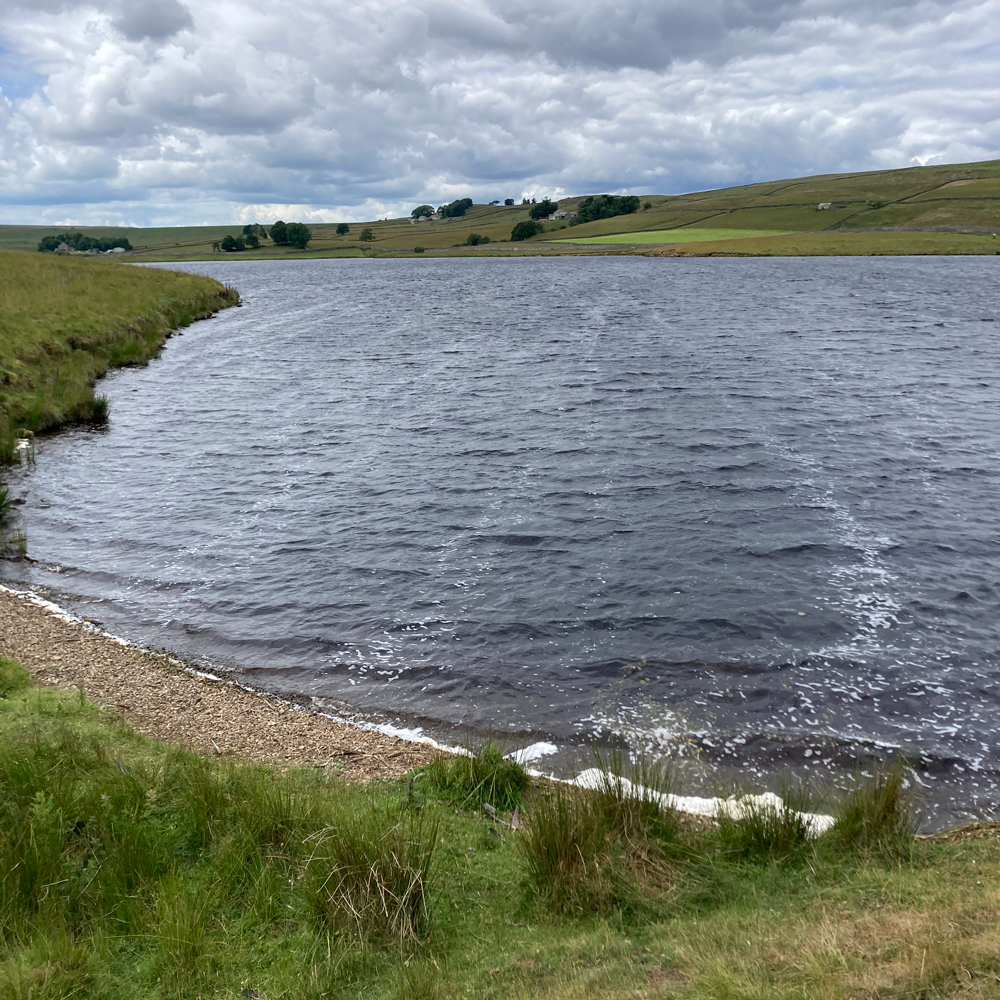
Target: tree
525, 230
543, 209
232, 244
279, 233
367, 235
495, 201
422, 211
297, 235
252, 240
343, 228
508, 201
604, 206
455, 209
647, 206
475, 240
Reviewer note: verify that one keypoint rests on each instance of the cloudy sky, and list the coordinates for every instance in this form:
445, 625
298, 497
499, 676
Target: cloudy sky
161, 112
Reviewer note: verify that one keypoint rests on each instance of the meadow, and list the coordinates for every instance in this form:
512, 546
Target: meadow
65, 321
687, 235
131, 868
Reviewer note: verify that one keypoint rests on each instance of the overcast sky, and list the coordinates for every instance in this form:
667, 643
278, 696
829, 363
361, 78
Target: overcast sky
164, 112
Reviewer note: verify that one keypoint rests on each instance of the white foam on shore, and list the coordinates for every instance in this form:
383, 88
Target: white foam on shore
735, 806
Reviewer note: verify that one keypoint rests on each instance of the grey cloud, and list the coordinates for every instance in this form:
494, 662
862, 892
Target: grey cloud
135, 19
153, 19
383, 102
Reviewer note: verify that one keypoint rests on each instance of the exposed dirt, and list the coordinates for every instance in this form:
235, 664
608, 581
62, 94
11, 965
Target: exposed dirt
157, 697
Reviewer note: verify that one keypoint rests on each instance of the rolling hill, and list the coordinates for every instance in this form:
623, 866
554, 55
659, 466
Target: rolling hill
951, 208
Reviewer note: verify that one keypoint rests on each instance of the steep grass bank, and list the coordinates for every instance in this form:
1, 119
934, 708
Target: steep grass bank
131, 868
65, 322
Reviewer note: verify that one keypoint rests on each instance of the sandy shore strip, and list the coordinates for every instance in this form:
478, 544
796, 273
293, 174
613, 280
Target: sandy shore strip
156, 696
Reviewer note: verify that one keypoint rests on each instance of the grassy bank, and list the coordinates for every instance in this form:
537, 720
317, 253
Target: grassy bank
65, 322
130, 868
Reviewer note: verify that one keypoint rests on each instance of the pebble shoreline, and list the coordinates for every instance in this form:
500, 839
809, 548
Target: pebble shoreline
156, 696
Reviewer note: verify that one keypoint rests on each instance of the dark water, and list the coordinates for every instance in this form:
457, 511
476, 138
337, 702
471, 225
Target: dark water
747, 504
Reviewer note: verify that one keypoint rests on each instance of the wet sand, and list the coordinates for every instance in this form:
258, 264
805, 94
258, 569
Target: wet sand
156, 696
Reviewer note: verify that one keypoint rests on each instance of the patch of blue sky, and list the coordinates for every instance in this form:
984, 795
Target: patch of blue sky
16, 82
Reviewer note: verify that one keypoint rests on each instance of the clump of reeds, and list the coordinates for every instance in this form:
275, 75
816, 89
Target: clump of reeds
879, 816
483, 776
368, 875
765, 829
604, 848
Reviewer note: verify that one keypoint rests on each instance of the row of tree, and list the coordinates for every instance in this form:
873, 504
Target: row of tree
78, 241
293, 234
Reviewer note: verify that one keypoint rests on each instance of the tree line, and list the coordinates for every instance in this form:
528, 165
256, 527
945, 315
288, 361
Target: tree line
78, 241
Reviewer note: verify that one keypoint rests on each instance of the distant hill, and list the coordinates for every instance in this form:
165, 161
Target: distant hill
782, 216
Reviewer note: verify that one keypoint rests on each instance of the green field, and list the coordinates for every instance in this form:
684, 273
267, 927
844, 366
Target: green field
674, 236
134, 870
64, 321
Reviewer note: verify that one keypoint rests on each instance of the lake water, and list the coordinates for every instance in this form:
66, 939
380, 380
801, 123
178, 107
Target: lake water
747, 506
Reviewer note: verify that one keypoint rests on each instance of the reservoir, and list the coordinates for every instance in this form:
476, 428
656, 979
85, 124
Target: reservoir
746, 509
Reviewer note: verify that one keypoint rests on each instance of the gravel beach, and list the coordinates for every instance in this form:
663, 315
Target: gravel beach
157, 697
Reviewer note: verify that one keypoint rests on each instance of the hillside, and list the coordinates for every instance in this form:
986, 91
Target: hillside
951, 208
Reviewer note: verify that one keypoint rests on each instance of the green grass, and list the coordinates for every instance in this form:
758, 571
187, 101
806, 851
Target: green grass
64, 322
841, 244
686, 235
134, 869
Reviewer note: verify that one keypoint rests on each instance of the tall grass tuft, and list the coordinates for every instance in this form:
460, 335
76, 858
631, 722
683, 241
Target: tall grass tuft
606, 847
763, 830
631, 794
13, 677
368, 876
484, 777
879, 816
573, 861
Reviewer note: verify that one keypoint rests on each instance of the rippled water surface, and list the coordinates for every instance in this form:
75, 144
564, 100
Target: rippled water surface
749, 504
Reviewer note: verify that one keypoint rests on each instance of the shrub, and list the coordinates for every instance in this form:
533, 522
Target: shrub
475, 240
418, 249
485, 776
879, 815
525, 230
367, 235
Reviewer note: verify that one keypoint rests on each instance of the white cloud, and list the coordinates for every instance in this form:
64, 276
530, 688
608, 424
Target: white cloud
329, 109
